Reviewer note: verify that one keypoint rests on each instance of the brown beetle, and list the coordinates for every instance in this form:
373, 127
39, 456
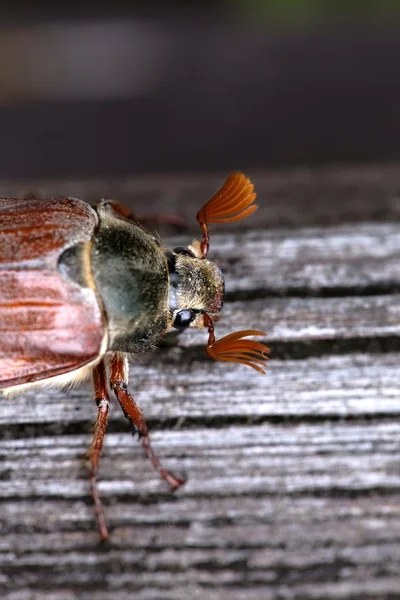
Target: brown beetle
83, 287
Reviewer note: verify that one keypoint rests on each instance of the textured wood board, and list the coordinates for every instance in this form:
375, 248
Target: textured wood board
293, 478
290, 505
287, 198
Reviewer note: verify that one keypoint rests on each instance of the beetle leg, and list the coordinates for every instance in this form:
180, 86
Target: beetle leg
94, 452
118, 383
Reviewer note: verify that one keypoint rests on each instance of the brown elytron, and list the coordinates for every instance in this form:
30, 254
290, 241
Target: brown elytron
49, 326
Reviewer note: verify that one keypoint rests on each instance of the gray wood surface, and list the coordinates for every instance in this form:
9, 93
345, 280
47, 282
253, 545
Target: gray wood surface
293, 478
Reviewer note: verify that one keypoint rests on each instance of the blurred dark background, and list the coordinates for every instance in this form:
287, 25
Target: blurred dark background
168, 87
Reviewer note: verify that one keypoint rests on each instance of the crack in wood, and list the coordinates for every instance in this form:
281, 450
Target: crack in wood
187, 423
332, 291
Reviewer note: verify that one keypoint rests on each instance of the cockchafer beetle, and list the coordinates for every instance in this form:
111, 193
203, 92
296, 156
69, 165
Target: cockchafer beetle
83, 287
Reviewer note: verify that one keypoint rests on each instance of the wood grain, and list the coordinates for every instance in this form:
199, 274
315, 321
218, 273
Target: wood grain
293, 478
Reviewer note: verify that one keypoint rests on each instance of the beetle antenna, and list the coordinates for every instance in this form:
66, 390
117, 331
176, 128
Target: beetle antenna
233, 202
233, 348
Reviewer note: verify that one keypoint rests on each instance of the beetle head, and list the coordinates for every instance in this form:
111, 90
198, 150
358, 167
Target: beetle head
197, 284
196, 287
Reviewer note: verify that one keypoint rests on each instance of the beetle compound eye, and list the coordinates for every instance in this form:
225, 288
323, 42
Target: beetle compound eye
184, 318
182, 250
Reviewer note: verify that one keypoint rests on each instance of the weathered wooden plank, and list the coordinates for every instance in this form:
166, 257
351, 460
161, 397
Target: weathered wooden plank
360, 591
266, 459
308, 319
286, 197
308, 260
293, 481
277, 260
304, 504
172, 384
217, 394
